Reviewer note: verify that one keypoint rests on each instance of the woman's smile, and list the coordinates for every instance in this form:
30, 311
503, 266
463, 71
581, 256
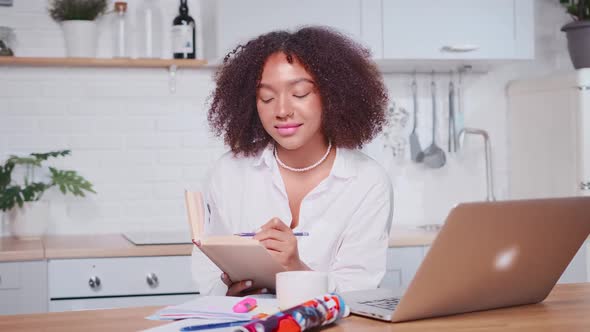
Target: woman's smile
288, 129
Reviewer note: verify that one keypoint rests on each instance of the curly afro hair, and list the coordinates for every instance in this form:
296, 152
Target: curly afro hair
354, 98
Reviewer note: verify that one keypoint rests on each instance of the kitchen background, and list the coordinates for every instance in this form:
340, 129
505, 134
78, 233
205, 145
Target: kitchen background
141, 145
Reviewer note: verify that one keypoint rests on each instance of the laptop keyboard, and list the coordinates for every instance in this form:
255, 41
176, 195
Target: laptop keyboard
388, 303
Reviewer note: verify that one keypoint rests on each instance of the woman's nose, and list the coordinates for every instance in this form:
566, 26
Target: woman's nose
283, 109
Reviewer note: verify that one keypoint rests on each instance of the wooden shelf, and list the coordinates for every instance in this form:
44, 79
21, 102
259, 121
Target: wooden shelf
101, 62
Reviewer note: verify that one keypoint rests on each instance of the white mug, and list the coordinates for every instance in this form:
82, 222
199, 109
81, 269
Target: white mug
296, 287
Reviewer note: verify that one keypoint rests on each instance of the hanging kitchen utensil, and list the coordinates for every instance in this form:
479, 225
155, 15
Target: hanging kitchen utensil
416, 152
459, 114
452, 141
434, 157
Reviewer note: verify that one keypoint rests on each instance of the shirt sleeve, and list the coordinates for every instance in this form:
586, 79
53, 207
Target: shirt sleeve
360, 260
205, 273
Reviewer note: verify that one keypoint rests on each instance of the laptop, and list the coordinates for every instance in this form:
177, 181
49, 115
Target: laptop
487, 255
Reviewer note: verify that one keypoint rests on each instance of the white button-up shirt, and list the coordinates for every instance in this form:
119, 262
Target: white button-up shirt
348, 216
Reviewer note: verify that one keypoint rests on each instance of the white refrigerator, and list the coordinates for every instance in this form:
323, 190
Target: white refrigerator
549, 144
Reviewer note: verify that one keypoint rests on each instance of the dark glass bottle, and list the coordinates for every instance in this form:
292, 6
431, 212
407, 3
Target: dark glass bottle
183, 34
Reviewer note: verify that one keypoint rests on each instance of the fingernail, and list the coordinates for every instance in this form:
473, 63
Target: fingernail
264, 290
222, 276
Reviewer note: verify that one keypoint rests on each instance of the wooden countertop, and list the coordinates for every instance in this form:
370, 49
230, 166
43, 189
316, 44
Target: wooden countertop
409, 236
116, 245
12, 249
108, 245
566, 309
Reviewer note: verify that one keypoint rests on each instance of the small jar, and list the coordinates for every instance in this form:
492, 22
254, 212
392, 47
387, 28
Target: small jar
6, 41
120, 31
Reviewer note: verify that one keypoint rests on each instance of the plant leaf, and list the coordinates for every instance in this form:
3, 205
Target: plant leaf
52, 154
10, 197
5, 174
33, 191
70, 181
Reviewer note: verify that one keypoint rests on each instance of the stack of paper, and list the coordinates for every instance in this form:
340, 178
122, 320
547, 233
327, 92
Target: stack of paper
195, 324
215, 308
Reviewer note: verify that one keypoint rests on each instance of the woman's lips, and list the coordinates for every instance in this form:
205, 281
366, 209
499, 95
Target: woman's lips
288, 130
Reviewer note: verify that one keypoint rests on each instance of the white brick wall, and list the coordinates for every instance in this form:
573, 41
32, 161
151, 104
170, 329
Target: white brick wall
141, 146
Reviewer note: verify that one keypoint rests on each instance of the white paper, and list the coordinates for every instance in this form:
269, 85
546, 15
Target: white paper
215, 307
176, 326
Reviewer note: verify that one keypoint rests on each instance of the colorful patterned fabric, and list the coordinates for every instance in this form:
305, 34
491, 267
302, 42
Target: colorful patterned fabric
313, 313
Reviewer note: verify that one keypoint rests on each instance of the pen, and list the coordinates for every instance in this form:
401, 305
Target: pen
252, 234
214, 325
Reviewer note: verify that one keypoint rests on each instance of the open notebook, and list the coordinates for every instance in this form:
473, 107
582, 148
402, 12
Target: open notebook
242, 258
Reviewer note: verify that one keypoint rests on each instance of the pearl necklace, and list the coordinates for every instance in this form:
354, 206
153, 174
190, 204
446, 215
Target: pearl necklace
304, 169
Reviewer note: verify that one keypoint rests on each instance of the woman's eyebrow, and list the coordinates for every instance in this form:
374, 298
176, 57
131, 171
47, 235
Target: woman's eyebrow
299, 80
290, 83
265, 86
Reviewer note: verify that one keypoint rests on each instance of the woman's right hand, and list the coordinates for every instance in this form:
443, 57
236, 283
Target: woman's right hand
240, 288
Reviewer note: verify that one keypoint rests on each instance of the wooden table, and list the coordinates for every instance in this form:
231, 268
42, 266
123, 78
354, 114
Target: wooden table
566, 309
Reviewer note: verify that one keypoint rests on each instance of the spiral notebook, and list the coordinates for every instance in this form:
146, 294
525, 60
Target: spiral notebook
242, 258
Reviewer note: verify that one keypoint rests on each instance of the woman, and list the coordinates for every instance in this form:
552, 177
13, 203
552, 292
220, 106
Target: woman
294, 108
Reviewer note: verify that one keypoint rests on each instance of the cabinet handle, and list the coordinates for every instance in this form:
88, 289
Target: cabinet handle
0, 280
94, 282
152, 280
459, 48
585, 186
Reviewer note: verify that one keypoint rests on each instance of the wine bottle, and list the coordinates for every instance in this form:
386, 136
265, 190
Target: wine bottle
183, 34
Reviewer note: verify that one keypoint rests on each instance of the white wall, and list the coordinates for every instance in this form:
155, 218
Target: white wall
141, 145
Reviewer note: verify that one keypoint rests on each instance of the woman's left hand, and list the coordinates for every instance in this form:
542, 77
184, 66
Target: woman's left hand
279, 240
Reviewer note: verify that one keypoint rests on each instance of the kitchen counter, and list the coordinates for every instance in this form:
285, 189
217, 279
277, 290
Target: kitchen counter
82, 246
411, 236
12, 249
107, 245
116, 245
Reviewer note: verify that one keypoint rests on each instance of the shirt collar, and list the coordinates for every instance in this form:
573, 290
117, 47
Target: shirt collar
265, 157
343, 164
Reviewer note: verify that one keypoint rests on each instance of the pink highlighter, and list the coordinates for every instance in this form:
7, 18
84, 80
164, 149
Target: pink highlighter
245, 305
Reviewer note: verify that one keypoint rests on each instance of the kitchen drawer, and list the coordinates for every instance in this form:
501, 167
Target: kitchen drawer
392, 279
9, 275
97, 277
406, 260
9, 299
23, 289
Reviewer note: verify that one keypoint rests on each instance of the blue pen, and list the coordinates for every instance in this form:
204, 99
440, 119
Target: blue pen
252, 234
214, 325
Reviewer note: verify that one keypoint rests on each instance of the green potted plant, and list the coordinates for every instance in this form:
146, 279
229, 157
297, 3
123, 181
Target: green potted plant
19, 200
77, 19
578, 32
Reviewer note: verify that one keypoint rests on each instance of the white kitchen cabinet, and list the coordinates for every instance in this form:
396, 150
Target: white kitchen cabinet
402, 264
115, 282
577, 270
236, 21
458, 29
23, 287
552, 157
392, 29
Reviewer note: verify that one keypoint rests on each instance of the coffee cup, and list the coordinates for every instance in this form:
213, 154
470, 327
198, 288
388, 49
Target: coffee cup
296, 287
